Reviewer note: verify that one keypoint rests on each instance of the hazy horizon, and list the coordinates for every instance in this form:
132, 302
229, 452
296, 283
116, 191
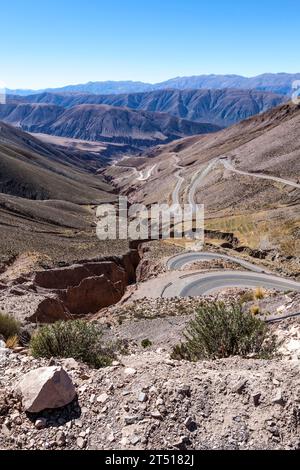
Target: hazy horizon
62, 85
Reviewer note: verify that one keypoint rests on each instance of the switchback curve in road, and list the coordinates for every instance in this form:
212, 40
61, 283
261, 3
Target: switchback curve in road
197, 284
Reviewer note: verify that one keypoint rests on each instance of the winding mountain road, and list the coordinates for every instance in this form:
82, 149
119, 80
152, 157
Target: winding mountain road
198, 179
179, 261
148, 172
196, 284
228, 165
200, 176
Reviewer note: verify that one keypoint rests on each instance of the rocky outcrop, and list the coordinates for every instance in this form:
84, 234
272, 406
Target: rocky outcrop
49, 310
70, 276
46, 388
80, 289
92, 294
228, 236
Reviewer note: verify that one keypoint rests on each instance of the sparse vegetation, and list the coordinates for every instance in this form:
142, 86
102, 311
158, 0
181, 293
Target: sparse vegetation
220, 331
9, 326
246, 297
255, 310
12, 342
146, 343
77, 339
259, 293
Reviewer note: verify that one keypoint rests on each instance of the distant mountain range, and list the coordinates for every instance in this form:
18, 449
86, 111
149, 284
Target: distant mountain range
280, 83
218, 107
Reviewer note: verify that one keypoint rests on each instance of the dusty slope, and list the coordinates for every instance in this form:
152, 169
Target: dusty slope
220, 107
34, 170
265, 213
45, 200
147, 401
101, 122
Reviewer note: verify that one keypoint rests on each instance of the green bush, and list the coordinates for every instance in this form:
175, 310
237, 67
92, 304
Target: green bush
146, 343
77, 339
8, 326
220, 331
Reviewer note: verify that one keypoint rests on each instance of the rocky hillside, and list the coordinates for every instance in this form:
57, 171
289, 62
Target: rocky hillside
146, 400
46, 199
218, 107
247, 176
101, 123
34, 170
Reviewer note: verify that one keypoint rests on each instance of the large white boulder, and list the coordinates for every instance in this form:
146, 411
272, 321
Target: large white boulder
46, 387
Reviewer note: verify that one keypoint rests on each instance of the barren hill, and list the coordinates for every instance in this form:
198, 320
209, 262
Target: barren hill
101, 123
219, 107
33, 170
247, 176
46, 200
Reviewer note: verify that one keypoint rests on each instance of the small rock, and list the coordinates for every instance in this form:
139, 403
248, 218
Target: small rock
159, 401
278, 398
129, 371
84, 376
188, 421
156, 414
143, 397
184, 390
102, 398
19, 350
239, 386
92, 398
134, 440
61, 439
256, 398
170, 362
70, 364
81, 442
40, 423
184, 440
130, 419
124, 441
82, 389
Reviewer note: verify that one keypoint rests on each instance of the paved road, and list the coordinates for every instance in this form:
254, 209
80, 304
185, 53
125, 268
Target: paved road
179, 261
196, 284
148, 172
202, 174
228, 165
140, 175
180, 180
198, 179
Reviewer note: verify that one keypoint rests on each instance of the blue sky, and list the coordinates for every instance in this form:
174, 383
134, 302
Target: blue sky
52, 43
